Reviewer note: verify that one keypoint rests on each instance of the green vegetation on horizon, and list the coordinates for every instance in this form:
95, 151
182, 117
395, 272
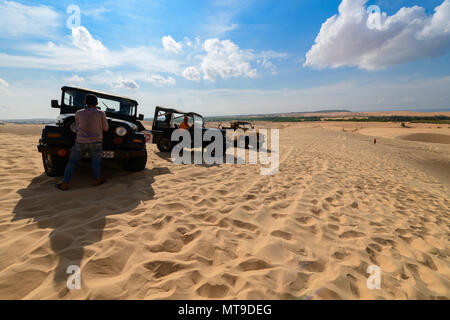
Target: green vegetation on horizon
410, 119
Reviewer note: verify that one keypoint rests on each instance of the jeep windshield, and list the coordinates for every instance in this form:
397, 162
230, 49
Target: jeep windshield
111, 105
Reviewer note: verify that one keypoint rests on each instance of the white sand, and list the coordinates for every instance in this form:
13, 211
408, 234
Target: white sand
338, 204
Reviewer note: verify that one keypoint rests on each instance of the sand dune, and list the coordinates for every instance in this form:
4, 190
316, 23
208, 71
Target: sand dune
338, 204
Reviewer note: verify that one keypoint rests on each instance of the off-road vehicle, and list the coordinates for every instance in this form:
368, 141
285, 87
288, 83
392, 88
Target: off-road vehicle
124, 140
248, 130
167, 120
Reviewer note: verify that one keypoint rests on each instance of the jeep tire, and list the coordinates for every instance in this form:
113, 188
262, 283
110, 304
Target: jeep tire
135, 164
165, 144
54, 165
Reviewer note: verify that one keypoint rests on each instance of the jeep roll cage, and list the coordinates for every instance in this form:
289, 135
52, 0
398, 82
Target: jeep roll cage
161, 111
66, 108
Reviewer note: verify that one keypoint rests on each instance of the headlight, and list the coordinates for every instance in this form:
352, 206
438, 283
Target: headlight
73, 127
121, 131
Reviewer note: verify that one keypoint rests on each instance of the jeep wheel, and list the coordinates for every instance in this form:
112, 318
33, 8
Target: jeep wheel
54, 165
135, 164
165, 144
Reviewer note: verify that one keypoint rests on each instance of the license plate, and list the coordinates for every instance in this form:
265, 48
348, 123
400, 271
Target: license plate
108, 154
105, 155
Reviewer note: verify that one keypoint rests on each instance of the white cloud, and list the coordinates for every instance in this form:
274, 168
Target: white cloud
221, 16
82, 52
3, 83
74, 79
192, 74
221, 29
171, 45
18, 20
95, 12
82, 39
85, 53
225, 59
267, 64
125, 83
432, 93
346, 40
4, 87
161, 81
265, 57
357, 96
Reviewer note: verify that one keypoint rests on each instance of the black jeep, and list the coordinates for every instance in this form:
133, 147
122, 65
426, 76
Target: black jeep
250, 135
167, 120
123, 141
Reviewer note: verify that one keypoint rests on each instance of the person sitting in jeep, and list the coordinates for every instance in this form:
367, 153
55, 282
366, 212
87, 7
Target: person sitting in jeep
90, 124
185, 124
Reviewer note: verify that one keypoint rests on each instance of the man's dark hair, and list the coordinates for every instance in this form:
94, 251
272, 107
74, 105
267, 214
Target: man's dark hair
91, 100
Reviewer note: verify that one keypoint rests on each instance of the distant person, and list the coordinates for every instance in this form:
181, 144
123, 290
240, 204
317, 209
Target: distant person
185, 124
90, 124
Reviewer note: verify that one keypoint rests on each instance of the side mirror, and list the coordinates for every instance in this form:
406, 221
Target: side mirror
55, 104
141, 117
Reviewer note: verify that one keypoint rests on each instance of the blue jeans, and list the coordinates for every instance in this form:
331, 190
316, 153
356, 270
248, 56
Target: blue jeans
78, 151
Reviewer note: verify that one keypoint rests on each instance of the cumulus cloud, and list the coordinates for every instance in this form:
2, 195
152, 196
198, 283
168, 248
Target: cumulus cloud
225, 59
85, 53
125, 83
82, 52
161, 81
192, 74
18, 20
171, 45
347, 39
82, 39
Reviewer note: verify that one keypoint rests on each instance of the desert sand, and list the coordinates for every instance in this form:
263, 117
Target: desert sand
338, 204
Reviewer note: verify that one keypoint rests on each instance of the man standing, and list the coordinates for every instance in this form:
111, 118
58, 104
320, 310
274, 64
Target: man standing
90, 124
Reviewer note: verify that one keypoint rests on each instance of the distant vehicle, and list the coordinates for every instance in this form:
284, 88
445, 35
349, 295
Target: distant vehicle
167, 120
124, 140
248, 131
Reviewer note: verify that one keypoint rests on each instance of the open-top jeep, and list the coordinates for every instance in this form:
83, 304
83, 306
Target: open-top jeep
246, 129
167, 120
123, 141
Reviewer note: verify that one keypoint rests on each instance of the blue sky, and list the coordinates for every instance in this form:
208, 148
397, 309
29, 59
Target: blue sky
225, 57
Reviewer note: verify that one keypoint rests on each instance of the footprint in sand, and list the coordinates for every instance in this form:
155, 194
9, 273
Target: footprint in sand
213, 291
353, 285
164, 268
351, 234
254, 265
312, 266
244, 225
282, 234
303, 220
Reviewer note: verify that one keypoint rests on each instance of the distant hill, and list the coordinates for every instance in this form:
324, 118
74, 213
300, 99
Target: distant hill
278, 116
